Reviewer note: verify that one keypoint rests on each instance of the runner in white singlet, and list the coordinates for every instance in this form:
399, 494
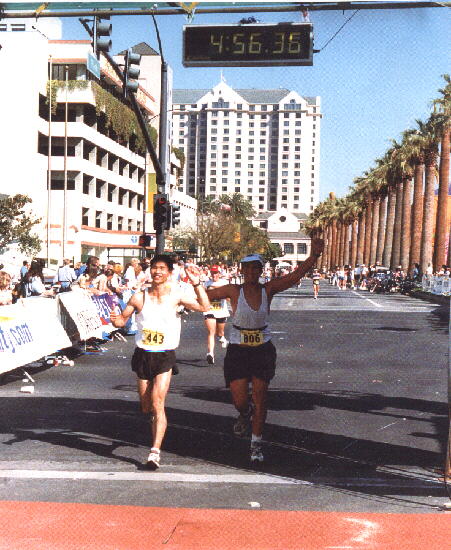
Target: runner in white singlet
251, 356
157, 338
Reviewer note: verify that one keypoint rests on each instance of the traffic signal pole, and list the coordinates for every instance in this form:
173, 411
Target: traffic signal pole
161, 178
163, 147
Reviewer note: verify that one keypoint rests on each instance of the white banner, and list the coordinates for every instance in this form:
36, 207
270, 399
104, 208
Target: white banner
83, 312
436, 285
29, 330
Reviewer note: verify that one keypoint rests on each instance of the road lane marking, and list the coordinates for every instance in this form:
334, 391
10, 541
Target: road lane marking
365, 298
150, 476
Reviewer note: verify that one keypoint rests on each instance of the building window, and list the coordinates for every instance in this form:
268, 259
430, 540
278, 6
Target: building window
98, 219
302, 248
288, 248
85, 216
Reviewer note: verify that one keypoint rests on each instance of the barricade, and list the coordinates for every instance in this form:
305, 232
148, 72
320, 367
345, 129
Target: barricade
29, 330
35, 327
436, 285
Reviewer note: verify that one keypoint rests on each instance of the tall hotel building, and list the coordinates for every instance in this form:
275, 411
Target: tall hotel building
264, 144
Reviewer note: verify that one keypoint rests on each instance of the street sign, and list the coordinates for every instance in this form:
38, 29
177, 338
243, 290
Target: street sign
251, 45
93, 65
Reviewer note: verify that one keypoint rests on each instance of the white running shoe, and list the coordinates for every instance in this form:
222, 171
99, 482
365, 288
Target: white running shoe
224, 342
210, 359
153, 460
256, 452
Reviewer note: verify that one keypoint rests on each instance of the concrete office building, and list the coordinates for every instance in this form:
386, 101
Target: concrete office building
264, 144
97, 173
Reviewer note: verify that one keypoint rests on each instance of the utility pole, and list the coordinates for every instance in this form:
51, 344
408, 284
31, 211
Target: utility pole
163, 148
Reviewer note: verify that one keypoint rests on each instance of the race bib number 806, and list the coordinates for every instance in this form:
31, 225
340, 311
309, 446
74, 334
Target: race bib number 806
251, 337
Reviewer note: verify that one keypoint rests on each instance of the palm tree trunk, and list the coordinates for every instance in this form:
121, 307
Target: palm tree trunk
346, 256
374, 229
361, 238
442, 223
396, 250
417, 215
406, 223
334, 245
339, 242
381, 229
427, 233
354, 237
324, 256
329, 246
367, 248
389, 228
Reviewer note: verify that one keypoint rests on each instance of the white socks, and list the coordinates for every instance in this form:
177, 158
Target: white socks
256, 439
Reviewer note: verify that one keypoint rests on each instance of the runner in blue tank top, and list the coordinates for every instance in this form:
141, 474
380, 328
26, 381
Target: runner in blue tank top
157, 338
251, 356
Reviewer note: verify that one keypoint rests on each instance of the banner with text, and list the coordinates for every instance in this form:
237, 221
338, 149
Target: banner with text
29, 330
89, 313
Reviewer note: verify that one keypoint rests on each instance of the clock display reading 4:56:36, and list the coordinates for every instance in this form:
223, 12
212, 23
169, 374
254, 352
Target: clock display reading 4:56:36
248, 45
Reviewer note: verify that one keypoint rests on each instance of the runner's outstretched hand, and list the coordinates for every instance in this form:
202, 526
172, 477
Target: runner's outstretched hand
193, 274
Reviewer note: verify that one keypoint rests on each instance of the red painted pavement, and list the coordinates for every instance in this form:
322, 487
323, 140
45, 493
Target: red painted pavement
57, 526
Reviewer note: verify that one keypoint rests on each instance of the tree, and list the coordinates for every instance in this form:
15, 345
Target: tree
224, 231
429, 137
16, 225
443, 106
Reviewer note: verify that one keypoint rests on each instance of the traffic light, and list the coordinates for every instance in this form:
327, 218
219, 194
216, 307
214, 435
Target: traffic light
144, 240
102, 34
175, 215
161, 212
131, 71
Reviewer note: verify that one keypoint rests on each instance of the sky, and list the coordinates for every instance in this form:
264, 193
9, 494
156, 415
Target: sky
375, 78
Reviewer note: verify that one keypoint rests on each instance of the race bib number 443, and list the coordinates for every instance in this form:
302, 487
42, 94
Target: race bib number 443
152, 337
251, 337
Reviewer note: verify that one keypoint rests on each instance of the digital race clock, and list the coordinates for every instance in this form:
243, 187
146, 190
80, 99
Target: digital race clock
248, 45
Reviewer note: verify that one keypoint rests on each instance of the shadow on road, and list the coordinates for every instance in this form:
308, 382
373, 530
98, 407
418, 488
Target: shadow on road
114, 429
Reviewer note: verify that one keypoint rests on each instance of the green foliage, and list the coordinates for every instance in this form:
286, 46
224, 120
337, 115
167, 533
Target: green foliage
153, 133
54, 85
118, 116
180, 155
16, 225
225, 232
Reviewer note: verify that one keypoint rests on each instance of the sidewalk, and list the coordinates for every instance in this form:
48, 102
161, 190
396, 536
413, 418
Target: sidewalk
55, 526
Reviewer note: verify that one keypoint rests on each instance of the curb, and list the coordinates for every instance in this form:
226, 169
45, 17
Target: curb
428, 297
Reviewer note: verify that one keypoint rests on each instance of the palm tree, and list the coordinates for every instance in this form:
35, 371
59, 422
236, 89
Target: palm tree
397, 227
415, 153
429, 136
391, 208
406, 160
442, 222
382, 223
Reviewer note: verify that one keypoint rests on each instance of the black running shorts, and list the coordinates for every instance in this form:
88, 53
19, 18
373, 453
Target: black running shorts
248, 362
148, 364
218, 320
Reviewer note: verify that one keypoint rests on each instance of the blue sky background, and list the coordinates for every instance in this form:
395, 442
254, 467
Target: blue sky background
376, 77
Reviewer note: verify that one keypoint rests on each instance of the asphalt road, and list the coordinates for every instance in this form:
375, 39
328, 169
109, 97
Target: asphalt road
357, 418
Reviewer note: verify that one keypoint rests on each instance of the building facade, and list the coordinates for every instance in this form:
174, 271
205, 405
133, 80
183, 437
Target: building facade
77, 151
264, 144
